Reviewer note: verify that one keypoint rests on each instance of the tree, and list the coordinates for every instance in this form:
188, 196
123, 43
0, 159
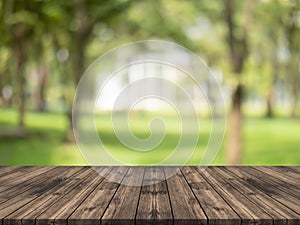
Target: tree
271, 15
85, 16
25, 28
292, 27
19, 21
237, 41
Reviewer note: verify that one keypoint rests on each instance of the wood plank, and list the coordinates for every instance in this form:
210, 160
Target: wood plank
26, 215
123, 206
279, 212
5, 170
295, 180
154, 204
294, 168
19, 173
277, 194
94, 206
58, 212
16, 188
42, 184
271, 181
247, 210
217, 195
265, 179
185, 206
21, 177
215, 208
288, 171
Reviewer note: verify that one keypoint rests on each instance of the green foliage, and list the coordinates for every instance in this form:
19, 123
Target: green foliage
85, 29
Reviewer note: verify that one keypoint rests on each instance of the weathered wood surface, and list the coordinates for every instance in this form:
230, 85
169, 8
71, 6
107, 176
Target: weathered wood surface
193, 195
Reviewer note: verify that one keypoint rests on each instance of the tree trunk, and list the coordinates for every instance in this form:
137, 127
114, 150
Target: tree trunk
237, 43
295, 93
81, 37
3, 101
82, 34
43, 77
269, 113
292, 31
274, 74
43, 73
234, 154
295, 86
18, 46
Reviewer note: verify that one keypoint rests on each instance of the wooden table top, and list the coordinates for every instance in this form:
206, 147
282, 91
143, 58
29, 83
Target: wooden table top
216, 195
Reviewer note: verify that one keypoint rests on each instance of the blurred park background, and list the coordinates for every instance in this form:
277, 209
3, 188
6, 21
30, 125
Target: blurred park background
252, 45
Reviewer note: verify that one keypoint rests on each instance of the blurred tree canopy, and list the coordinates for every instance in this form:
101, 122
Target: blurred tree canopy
46, 45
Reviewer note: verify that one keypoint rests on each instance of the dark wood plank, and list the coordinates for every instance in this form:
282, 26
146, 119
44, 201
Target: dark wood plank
185, 206
214, 206
9, 191
272, 191
279, 212
288, 171
217, 195
294, 168
94, 206
27, 214
154, 204
42, 184
21, 177
270, 180
247, 210
17, 173
5, 170
123, 206
15, 187
282, 176
58, 212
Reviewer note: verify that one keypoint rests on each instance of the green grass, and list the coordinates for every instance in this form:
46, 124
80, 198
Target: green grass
265, 141
47, 145
272, 142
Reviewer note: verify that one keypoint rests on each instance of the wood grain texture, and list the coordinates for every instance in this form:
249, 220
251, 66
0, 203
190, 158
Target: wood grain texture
279, 212
79, 178
287, 171
269, 180
216, 209
20, 176
271, 190
96, 203
123, 206
185, 206
281, 176
247, 210
154, 204
62, 209
143, 195
21, 195
9, 169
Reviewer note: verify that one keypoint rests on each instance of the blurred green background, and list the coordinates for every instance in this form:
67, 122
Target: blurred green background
45, 47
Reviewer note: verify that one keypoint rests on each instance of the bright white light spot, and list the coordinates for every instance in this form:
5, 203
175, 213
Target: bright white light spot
62, 55
7, 92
